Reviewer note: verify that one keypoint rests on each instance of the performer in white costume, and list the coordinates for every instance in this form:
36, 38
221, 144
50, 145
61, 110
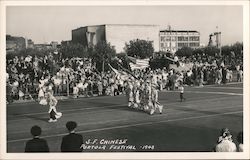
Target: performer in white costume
155, 102
148, 98
136, 92
54, 115
130, 94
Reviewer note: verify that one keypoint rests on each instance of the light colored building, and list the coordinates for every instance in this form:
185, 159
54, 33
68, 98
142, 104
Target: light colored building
116, 34
172, 40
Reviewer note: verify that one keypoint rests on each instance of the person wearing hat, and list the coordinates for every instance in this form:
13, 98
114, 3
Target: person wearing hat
36, 144
73, 141
225, 142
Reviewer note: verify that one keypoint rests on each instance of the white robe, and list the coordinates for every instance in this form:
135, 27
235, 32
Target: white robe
226, 146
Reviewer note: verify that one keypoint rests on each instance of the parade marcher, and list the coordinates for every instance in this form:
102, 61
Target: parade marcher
155, 102
54, 115
147, 95
181, 88
130, 94
142, 96
100, 87
75, 91
136, 92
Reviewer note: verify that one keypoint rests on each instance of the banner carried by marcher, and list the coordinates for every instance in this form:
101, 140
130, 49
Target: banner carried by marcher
121, 74
138, 63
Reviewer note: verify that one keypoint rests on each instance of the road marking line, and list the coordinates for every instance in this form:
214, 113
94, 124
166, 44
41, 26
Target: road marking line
225, 84
225, 87
223, 93
158, 115
132, 125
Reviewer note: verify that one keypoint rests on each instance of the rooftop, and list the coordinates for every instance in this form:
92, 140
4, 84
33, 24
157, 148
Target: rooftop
179, 31
118, 25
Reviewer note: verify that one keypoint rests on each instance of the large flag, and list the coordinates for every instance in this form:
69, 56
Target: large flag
121, 74
138, 63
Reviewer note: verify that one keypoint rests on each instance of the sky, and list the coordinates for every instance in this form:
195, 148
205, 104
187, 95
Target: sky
44, 24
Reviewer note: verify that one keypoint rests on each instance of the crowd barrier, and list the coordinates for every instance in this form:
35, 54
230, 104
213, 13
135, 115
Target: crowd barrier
88, 92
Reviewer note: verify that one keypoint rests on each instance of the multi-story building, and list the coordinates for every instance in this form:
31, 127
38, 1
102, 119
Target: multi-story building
116, 34
172, 40
14, 43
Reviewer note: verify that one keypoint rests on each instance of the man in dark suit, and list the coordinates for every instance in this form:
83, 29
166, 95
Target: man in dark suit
36, 144
72, 142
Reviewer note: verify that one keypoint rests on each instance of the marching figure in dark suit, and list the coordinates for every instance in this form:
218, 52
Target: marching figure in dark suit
36, 144
72, 142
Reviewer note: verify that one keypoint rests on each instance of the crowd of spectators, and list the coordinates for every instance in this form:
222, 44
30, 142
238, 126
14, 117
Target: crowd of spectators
73, 142
28, 77
70, 143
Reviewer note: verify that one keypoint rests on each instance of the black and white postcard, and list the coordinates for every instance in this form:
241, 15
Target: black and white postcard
124, 80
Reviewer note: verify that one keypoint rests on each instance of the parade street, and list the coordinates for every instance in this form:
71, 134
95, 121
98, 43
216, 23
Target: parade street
108, 124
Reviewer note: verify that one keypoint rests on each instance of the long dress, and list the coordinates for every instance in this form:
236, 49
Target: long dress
52, 107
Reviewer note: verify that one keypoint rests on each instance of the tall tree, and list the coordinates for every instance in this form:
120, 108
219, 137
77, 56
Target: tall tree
211, 51
73, 50
102, 54
185, 51
139, 48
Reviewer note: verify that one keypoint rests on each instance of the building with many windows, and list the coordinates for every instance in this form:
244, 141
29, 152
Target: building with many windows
120, 34
172, 40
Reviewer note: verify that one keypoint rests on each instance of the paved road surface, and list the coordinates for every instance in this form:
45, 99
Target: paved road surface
193, 125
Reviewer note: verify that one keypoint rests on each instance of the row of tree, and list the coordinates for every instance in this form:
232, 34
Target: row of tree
234, 50
103, 53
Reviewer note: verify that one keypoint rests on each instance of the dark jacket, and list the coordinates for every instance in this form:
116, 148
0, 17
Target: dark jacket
72, 143
37, 145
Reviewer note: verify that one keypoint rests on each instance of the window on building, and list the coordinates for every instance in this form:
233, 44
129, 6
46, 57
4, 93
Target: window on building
162, 45
173, 44
182, 38
173, 38
162, 38
182, 44
168, 38
194, 44
194, 38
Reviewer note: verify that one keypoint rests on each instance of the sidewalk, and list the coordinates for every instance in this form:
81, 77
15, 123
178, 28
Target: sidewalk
57, 97
95, 95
